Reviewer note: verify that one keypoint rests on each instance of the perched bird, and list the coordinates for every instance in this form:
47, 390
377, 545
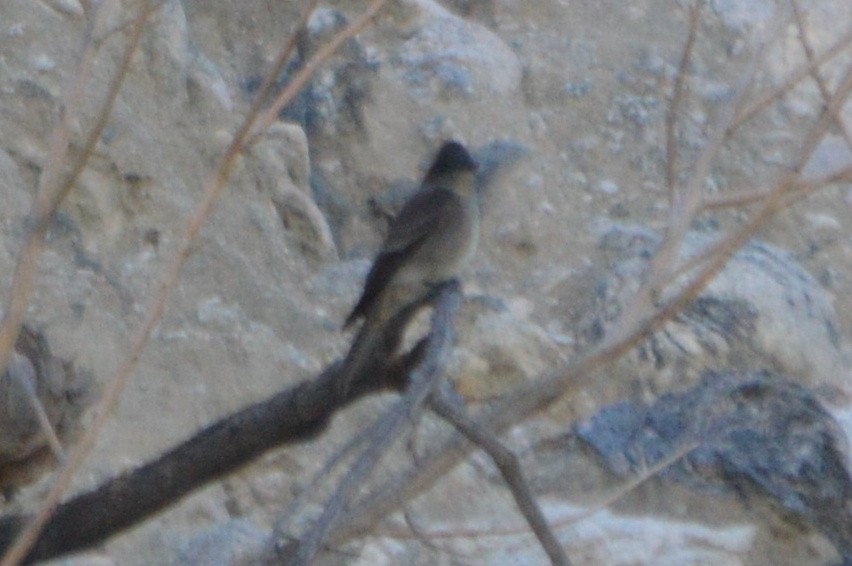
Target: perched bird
429, 242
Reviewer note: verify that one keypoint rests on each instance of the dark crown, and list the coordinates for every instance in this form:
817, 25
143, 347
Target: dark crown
452, 158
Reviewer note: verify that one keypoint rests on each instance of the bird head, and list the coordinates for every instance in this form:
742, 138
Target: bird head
453, 166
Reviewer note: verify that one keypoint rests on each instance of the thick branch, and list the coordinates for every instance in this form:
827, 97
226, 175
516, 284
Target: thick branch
294, 415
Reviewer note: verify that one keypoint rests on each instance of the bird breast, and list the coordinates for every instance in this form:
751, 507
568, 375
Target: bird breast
449, 247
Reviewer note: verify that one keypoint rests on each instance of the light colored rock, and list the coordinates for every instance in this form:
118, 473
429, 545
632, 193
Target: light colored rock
67, 7
831, 156
763, 310
281, 167
36, 387
499, 351
450, 56
232, 543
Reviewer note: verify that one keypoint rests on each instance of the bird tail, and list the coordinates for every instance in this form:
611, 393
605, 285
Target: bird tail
377, 342
373, 345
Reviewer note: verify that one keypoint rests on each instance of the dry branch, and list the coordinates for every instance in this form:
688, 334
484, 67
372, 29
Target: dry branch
295, 415
677, 96
794, 78
512, 473
809, 55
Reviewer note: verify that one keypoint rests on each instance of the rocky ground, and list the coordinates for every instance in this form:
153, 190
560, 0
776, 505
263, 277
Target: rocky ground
568, 101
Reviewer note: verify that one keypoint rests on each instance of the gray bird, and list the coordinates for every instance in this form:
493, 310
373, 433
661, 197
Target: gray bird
429, 242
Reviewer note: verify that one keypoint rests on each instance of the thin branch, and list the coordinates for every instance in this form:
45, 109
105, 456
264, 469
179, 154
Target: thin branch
797, 191
600, 502
778, 197
687, 203
794, 79
99, 38
621, 491
677, 95
290, 512
809, 54
508, 465
295, 85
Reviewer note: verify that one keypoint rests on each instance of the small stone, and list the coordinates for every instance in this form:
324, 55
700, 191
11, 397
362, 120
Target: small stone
607, 187
43, 63
67, 7
821, 221
578, 89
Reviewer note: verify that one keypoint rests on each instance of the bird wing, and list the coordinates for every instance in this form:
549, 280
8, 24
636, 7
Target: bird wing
411, 227
417, 218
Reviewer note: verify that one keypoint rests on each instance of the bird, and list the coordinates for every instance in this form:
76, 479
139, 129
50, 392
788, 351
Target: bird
429, 242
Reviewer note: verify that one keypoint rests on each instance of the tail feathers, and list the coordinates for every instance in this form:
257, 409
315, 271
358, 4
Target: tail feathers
350, 320
377, 342
367, 349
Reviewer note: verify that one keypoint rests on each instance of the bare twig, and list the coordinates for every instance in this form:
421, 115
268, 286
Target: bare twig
599, 503
809, 54
800, 189
677, 95
777, 198
295, 85
622, 490
687, 203
793, 79
290, 512
508, 465
99, 38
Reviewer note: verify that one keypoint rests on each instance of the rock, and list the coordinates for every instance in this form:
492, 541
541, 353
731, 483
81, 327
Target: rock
231, 543
67, 7
760, 437
448, 56
280, 165
336, 93
499, 351
763, 310
33, 373
831, 156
